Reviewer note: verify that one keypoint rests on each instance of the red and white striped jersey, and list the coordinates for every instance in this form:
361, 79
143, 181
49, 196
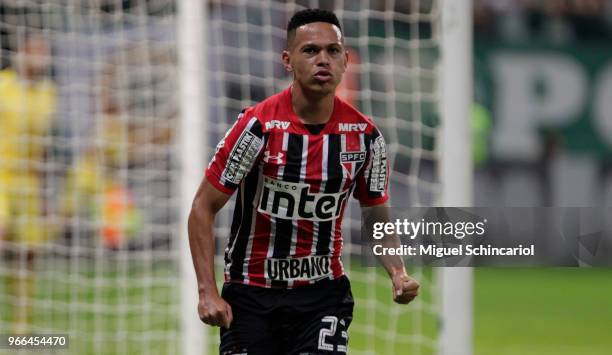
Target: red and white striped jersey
293, 188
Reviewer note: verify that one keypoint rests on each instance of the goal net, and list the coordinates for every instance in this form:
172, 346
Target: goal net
392, 78
89, 158
88, 111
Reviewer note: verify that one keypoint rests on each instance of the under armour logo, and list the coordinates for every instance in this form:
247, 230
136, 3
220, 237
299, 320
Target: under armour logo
278, 158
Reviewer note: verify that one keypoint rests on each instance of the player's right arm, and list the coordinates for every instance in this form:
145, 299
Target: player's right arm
234, 158
212, 309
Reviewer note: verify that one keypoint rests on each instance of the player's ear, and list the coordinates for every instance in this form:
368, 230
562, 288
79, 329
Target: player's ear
346, 58
286, 61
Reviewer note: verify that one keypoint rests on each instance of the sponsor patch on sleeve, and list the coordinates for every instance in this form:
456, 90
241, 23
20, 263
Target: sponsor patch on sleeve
378, 175
242, 157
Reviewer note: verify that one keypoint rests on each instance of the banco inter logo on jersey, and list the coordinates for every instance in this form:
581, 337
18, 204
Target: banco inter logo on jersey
241, 158
277, 124
298, 269
352, 127
290, 200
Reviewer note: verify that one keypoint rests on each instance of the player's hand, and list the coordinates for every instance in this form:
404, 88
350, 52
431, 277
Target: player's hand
405, 288
213, 310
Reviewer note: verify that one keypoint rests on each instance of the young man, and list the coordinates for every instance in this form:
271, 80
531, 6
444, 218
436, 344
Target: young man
295, 159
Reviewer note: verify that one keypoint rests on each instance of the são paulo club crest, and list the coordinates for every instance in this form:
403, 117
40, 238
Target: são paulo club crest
352, 158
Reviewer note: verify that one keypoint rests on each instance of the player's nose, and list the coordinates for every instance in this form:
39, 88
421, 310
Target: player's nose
323, 59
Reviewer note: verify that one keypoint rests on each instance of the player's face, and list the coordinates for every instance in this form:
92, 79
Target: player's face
317, 57
34, 57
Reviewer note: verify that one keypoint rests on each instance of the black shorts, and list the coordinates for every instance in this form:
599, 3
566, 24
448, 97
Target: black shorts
312, 319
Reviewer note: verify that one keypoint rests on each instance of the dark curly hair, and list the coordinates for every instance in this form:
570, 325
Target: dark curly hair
307, 16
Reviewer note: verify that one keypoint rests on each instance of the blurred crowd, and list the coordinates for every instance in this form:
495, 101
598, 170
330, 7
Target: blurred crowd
559, 21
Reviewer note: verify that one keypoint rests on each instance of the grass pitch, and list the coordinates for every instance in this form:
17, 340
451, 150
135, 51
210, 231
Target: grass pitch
560, 311
134, 309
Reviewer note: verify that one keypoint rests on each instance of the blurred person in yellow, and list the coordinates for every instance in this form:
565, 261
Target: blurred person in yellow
95, 189
27, 106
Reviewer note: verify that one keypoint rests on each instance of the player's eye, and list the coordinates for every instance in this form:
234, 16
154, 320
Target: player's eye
310, 50
334, 50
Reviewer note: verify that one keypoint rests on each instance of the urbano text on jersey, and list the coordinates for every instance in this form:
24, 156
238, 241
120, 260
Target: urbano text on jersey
298, 269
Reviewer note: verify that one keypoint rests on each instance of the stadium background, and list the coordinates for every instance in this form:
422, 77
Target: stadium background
106, 272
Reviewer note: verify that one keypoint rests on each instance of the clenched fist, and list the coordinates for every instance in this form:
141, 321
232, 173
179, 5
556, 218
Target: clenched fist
213, 310
405, 288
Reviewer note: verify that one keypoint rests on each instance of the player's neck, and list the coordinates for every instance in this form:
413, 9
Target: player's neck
311, 108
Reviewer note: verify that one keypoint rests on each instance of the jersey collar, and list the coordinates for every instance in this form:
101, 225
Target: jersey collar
297, 122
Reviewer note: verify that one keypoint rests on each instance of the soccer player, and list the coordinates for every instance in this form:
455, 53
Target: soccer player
27, 108
295, 159
95, 175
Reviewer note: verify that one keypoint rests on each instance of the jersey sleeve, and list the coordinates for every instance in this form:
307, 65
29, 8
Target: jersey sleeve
372, 181
236, 153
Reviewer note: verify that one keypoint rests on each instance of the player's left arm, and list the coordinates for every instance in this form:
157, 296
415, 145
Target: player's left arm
372, 192
404, 287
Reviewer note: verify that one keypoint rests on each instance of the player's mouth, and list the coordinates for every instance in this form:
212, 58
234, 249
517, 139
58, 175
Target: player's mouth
323, 76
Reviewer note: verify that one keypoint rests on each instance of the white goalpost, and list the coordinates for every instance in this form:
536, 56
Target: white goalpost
191, 31
456, 167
